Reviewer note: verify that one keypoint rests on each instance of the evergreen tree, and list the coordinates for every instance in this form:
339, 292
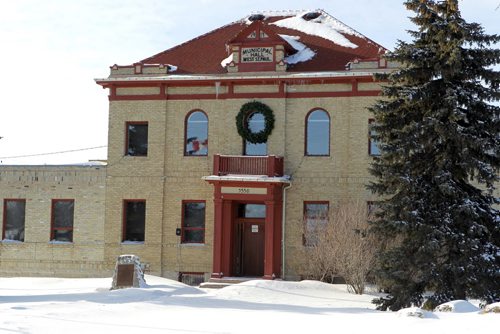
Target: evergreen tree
438, 129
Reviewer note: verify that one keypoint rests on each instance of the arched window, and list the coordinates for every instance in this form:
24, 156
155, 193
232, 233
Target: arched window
196, 140
256, 123
318, 133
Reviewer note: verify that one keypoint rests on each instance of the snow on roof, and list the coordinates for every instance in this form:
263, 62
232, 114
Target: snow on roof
227, 60
303, 52
335, 44
324, 26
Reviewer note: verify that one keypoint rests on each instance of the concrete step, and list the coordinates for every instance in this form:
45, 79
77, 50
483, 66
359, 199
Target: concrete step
208, 285
219, 283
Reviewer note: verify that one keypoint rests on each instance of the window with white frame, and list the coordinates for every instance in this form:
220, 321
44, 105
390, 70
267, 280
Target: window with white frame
317, 133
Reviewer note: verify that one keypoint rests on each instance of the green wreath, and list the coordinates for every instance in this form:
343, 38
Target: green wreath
242, 122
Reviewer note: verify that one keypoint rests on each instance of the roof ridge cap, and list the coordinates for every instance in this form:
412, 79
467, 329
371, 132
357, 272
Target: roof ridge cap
281, 12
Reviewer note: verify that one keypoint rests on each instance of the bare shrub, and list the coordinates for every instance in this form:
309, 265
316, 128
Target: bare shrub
342, 246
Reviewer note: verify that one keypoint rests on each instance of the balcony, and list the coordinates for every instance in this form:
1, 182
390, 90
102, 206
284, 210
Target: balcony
269, 165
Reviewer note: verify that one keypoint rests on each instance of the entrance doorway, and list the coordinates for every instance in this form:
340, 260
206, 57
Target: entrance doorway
248, 240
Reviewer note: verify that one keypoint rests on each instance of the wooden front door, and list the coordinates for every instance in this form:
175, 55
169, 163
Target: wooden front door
248, 255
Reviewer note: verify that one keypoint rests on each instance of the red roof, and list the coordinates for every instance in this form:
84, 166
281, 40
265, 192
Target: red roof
203, 54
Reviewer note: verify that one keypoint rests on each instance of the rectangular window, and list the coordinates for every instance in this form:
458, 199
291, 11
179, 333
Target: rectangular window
137, 139
193, 222
62, 220
13, 219
373, 148
134, 220
315, 220
251, 210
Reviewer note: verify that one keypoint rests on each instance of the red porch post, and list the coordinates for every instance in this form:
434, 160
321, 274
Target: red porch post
217, 247
216, 170
269, 242
227, 206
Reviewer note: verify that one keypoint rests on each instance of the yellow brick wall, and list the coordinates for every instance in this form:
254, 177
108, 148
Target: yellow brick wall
138, 91
197, 90
256, 88
37, 256
320, 88
166, 176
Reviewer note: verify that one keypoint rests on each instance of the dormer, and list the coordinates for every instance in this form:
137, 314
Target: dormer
257, 48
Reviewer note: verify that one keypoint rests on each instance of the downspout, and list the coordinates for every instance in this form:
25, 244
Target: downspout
283, 214
283, 219
163, 89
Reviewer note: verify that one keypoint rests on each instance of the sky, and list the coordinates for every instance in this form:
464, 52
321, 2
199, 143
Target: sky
52, 50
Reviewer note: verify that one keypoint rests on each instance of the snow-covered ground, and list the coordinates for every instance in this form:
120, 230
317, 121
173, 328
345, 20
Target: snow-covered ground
55, 305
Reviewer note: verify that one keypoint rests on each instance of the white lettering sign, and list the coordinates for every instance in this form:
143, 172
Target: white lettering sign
241, 190
257, 55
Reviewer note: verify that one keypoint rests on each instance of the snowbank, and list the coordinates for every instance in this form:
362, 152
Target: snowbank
56, 305
457, 306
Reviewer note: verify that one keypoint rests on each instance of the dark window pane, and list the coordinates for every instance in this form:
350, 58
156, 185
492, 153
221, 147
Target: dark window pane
194, 214
62, 224
193, 223
194, 236
63, 213
252, 211
135, 219
318, 133
197, 134
137, 136
315, 210
256, 123
63, 235
14, 220
316, 218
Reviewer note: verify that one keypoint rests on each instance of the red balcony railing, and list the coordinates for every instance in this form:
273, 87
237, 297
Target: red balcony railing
270, 165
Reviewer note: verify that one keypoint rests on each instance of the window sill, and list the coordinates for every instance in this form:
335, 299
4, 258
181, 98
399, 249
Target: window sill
192, 244
10, 241
57, 242
127, 242
317, 156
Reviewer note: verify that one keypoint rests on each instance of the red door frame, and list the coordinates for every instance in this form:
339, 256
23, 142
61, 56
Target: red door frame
224, 215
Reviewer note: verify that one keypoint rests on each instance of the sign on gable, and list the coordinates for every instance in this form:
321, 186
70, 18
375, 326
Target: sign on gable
257, 55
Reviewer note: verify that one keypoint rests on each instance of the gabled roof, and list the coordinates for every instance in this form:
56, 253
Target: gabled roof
257, 27
333, 43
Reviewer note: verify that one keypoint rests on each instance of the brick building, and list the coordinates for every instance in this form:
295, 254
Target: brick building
186, 187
